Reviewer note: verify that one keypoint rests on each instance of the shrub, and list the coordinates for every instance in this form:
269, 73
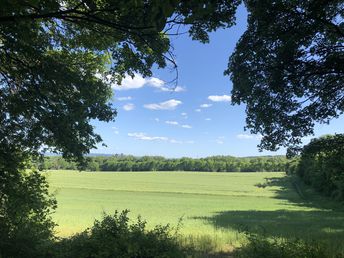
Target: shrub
114, 236
261, 247
26, 227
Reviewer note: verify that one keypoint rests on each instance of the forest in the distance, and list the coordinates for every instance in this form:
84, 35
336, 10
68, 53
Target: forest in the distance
120, 162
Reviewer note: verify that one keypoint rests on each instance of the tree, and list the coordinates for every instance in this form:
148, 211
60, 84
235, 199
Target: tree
321, 165
288, 68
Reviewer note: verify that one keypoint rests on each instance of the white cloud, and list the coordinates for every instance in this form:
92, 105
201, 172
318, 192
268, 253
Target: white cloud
198, 110
245, 136
156, 82
161, 85
171, 89
157, 119
176, 141
129, 107
249, 137
208, 119
181, 142
176, 123
172, 122
206, 105
129, 83
124, 98
218, 98
166, 105
144, 137
177, 89
138, 81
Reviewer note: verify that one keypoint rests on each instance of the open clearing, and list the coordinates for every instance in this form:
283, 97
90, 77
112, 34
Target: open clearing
213, 206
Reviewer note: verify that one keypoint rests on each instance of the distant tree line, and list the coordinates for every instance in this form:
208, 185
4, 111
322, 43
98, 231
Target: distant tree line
321, 165
120, 162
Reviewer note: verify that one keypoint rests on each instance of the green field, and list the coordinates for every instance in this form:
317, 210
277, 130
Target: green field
213, 206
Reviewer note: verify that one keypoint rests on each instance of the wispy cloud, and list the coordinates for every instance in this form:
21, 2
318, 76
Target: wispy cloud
184, 115
175, 141
198, 110
249, 137
124, 98
220, 98
206, 105
172, 122
177, 124
129, 107
145, 137
207, 119
166, 105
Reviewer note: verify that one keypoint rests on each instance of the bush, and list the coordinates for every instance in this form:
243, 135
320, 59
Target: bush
26, 227
113, 236
260, 247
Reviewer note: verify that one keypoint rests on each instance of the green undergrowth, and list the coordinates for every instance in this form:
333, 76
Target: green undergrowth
214, 208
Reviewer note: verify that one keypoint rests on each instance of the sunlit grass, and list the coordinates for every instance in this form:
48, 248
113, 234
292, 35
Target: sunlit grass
213, 207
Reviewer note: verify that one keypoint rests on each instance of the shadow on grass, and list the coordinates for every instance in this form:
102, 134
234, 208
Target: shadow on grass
282, 223
324, 221
292, 189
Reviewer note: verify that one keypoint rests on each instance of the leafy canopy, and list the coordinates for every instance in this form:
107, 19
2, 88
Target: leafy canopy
52, 50
288, 68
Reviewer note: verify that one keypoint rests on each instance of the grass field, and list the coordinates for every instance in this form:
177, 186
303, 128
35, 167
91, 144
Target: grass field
214, 207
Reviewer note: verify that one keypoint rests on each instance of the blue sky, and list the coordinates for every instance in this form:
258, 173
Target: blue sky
194, 120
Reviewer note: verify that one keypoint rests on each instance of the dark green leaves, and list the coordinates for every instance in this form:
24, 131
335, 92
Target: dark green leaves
50, 52
288, 68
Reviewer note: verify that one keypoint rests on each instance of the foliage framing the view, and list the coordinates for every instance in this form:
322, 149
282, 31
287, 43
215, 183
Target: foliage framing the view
58, 57
51, 52
288, 72
288, 68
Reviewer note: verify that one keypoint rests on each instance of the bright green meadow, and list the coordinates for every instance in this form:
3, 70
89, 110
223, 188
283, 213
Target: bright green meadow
213, 207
